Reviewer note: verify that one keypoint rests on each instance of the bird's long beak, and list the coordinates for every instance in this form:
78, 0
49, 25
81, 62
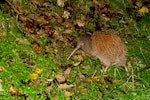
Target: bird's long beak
78, 46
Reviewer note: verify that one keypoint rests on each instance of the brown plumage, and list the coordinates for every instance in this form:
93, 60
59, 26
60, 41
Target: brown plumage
106, 46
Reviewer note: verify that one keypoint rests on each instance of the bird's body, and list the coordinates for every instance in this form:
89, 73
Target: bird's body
107, 47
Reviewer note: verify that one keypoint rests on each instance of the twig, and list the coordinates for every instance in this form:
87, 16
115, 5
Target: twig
94, 73
13, 7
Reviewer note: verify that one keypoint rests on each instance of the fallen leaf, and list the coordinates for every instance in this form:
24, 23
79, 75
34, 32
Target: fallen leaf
60, 78
81, 76
143, 11
96, 78
67, 72
41, 32
49, 80
77, 63
33, 76
67, 23
67, 31
86, 67
13, 91
67, 94
89, 80
56, 33
66, 14
50, 88
36, 83
65, 86
79, 57
60, 3
38, 70
80, 23
37, 48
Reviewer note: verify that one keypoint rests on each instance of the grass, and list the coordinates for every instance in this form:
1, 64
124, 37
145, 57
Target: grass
18, 60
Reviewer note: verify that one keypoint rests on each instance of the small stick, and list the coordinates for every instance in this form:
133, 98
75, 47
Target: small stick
94, 74
13, 7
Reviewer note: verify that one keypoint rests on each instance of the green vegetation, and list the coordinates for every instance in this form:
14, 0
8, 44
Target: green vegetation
29, 63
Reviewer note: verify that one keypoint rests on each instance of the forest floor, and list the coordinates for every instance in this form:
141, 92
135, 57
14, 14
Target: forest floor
36, 37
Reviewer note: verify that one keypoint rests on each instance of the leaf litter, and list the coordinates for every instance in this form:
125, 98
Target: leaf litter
58, 24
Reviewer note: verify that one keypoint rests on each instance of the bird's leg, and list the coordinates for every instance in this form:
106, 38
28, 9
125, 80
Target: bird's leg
127, 70
105, 69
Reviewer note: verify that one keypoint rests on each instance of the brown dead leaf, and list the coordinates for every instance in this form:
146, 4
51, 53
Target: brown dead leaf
138, 3
56, 33
50, 88
60, 78
80, 23
65, 86
79, 57
36, 83
66, 14
59, 20
77, 63
41, 19
96, 2
31, 16
49, 80
86, 67
19, 8
67, 72
37, 48
13, 91
35, 2
67, 31
81, 76
67, 94
67, 23
61, 3
41, 32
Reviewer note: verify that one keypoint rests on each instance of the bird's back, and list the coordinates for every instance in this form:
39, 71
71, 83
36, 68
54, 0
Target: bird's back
109, 48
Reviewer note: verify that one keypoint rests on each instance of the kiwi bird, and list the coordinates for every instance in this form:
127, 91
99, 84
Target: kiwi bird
107, 47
